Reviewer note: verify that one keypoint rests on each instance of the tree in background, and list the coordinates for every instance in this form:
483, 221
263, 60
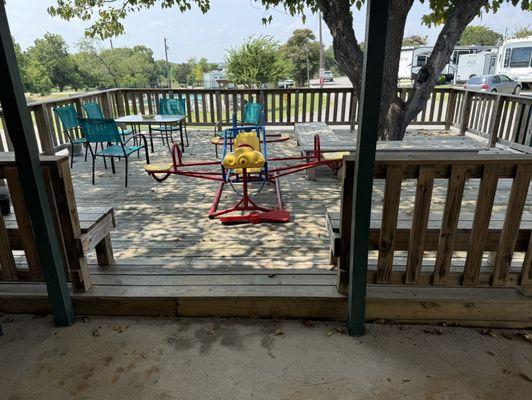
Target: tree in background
182, 73
257, 62
415, 40
300, 45
51, 52
523, 32
32, 73
200, 67
118, 67
480, 36
453, 16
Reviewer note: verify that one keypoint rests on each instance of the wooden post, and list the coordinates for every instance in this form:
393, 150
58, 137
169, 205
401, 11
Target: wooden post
43, 128
20, 128
353, 113
106, 105
466, 110
219, 117
451, 105
495, 121
370, 109
119, 103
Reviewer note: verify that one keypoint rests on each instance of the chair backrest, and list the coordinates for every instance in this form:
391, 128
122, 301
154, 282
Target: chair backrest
93, 110
252, 113
172, 107
68, 116
100, 130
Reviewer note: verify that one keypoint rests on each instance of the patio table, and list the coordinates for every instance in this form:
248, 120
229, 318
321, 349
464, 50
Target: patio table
167, 121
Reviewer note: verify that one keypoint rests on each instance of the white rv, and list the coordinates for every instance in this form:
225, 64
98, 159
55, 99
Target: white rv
515, 60
413, 58
475, 64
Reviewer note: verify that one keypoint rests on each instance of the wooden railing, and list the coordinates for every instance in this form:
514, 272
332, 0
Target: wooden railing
415, 233
505, 119
17, 235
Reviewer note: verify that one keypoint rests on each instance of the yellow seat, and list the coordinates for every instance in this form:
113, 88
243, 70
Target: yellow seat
337, 156
157, 167
216, 140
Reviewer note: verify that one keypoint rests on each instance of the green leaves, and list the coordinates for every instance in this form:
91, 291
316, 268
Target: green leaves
480, 35
258, 61
107, 15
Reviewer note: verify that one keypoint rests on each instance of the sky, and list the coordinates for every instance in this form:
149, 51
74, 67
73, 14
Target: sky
226, 25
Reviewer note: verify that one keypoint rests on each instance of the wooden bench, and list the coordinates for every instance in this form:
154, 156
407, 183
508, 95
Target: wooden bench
344, 141
79, 231
412, 235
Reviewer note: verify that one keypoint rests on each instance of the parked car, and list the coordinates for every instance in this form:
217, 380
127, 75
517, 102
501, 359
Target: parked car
285, 83
493, 83
328, 76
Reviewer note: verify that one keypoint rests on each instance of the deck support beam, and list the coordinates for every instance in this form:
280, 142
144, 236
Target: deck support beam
21, 132
370, 110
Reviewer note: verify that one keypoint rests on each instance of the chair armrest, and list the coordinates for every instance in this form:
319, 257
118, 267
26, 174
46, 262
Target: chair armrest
135, 136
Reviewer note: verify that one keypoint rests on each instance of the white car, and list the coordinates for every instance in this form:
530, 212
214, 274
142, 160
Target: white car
286, 83
328, 76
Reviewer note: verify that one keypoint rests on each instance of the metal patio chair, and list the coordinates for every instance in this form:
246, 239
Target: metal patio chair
172, 107
68, 116
252, 117
94, 111
106, 131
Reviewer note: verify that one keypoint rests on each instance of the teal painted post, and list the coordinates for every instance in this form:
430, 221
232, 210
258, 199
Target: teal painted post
22, 134
370, 100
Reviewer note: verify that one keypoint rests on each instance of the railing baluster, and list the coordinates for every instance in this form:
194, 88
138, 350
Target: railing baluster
451, 213
418, 232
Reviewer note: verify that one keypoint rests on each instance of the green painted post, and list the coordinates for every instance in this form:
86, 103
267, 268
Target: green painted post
370, 100
20, 128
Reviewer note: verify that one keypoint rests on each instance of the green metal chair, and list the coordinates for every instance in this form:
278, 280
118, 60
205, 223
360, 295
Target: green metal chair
68, 116
106, 131
251, 117
94, 111
172, 107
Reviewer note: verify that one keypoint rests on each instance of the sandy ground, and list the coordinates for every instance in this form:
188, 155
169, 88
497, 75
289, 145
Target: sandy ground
126, 358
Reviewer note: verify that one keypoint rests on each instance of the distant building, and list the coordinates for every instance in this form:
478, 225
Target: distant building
216, 79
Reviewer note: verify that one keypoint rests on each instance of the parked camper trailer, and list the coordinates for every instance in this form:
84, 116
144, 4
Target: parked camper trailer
413, 58
515, 60
475, 64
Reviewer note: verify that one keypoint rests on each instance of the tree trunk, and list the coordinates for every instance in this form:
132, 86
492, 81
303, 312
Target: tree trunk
428, 75
349, 56
337, 15
393, 105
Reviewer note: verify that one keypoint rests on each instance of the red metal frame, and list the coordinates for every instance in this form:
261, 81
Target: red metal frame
249, 210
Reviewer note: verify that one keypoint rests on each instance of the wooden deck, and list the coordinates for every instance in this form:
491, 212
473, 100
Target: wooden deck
171, 259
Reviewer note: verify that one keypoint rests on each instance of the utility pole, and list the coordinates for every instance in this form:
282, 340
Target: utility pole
167, 64
308, 68
322, 68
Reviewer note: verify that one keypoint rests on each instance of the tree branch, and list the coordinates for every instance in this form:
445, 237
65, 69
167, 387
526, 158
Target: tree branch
464, 12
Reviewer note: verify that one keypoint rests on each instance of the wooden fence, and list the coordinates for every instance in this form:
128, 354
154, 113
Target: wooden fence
500, 118
421, 231
505, 119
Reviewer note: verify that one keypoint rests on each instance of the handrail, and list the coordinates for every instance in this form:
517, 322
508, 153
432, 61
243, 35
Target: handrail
500, 118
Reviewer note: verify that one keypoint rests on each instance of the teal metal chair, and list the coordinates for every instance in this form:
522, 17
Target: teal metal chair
68, 116
252, 116
172, 107
94, 111
106, 131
